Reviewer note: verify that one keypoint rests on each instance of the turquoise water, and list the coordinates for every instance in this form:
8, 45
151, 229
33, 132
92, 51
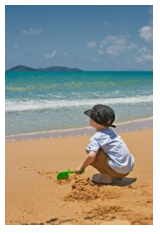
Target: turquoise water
43, 101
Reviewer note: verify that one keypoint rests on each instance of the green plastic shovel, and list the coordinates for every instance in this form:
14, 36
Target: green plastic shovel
65, 174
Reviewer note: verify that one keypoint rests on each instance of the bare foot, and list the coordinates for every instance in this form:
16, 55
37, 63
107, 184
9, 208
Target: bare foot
102, 179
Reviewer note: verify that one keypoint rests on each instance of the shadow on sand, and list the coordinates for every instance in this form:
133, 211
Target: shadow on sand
126, 181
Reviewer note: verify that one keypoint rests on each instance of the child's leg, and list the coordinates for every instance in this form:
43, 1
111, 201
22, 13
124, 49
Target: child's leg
102, 179
101, 163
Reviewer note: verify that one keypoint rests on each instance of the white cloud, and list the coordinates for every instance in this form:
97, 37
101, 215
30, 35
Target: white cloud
92, 44
108, 39
144, 55
52, 55
148, 57
116, 49
115, 45
146, 33
101, 50
32, 31
68, 55
120, 41
143, 50
131, 46
139, 60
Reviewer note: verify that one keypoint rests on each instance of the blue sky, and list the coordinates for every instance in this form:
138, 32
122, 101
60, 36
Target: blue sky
100, 37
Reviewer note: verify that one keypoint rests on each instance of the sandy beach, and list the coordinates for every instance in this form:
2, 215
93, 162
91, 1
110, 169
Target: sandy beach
33, 195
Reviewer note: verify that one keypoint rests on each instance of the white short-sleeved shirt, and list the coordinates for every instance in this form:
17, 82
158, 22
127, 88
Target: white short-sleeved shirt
120, 159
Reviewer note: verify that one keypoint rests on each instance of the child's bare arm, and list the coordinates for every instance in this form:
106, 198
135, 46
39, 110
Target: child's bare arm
88, 160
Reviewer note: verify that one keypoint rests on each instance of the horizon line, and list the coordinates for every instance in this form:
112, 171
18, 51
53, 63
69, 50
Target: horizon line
76, 68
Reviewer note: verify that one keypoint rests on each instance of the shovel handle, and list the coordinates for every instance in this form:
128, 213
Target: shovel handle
73, 171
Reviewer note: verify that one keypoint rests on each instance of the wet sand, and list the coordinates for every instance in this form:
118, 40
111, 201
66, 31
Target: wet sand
33, 195
129, 126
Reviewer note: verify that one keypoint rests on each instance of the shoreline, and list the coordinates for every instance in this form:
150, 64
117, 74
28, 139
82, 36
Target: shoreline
133, 125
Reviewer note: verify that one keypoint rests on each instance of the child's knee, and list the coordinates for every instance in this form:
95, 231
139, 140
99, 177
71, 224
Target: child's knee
101, 156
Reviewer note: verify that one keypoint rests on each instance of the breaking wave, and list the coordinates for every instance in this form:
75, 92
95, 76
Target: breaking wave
27, 105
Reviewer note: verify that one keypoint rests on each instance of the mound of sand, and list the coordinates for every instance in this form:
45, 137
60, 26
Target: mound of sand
84, 189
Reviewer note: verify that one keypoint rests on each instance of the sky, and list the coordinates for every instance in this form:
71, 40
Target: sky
88, 37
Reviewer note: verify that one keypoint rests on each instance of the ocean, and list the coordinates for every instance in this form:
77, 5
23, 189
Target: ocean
42, 101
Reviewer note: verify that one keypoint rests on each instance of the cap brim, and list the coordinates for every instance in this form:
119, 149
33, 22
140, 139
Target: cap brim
88, 112
112, 125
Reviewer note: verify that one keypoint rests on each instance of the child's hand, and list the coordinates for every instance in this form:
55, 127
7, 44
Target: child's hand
78, 170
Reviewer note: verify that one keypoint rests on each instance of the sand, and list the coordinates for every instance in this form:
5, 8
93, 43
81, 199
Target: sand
34, 197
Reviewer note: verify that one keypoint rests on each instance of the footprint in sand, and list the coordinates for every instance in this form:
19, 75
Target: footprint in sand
116, 222
49, 174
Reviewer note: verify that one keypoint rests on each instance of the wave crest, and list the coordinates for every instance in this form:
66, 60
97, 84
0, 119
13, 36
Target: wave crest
27, 105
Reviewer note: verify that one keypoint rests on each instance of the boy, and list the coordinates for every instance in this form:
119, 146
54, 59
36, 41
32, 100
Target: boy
107, 152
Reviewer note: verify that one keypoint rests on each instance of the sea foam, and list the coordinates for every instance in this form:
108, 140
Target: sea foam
26, 105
